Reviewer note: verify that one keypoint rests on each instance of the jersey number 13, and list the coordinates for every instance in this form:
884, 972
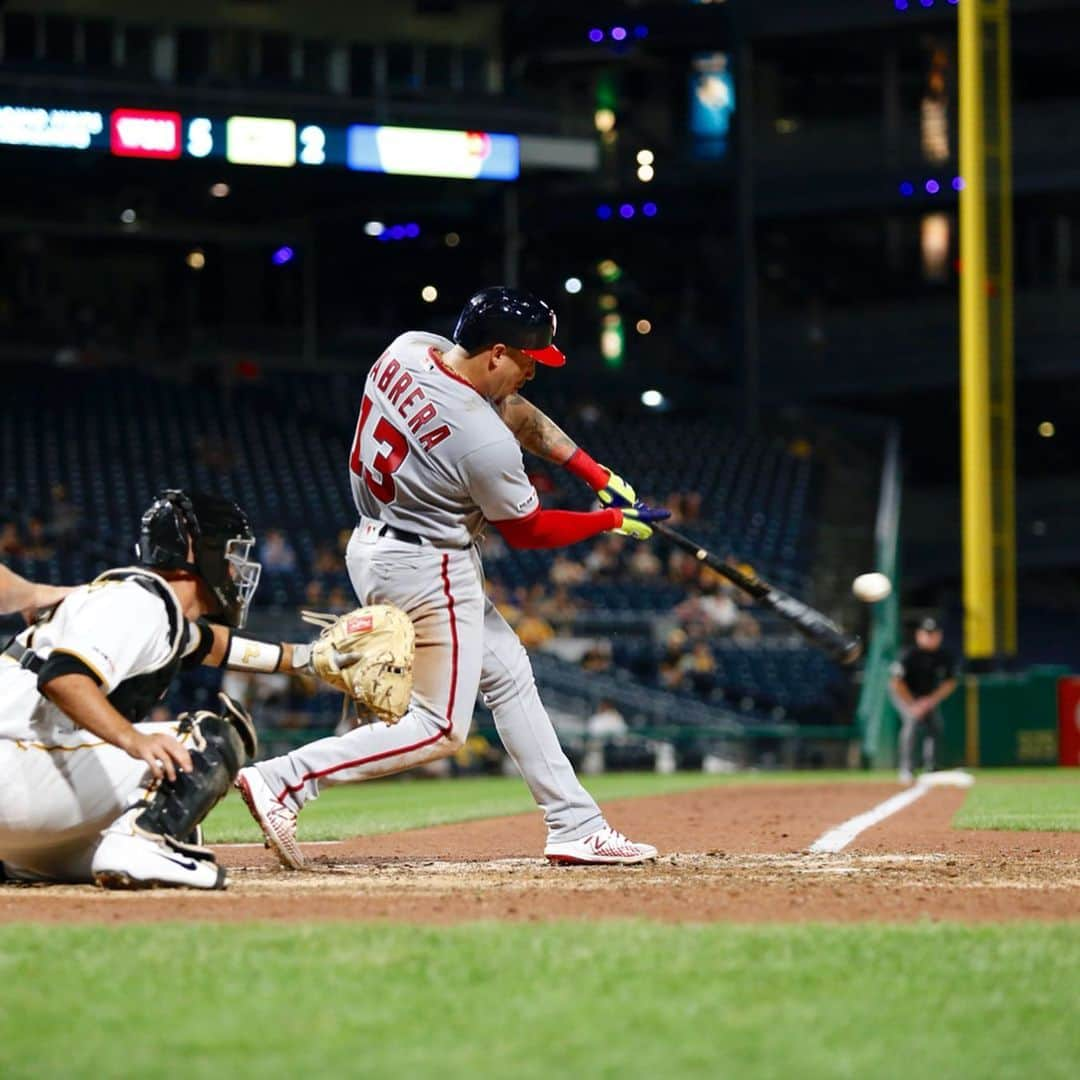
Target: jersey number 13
379, 475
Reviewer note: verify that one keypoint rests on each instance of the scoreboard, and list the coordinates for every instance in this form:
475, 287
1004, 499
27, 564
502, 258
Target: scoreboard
273, 141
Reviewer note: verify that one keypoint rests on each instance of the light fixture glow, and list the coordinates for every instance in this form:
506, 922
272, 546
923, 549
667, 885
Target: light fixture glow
374, 228
651, 399
1047, 429
645, 173
429, 294
196, 259
220, 190
572, 285
643, 326
128, 216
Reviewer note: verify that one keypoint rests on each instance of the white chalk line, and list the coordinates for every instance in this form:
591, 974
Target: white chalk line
838, 838
321, 843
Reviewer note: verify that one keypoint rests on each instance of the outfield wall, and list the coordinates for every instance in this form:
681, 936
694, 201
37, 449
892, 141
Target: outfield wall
1004, 719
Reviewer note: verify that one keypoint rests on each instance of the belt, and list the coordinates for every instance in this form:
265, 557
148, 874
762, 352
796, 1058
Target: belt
406, 537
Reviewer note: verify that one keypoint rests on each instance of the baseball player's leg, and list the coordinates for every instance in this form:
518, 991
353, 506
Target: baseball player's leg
932, 724
441, 593
155, 843
54, 803
907, 742
509, 690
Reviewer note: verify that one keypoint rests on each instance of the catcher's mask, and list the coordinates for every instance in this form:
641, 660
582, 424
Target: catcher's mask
221, 543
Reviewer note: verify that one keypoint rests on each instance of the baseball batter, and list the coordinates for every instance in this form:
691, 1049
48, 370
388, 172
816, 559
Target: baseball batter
436, 456
88, 791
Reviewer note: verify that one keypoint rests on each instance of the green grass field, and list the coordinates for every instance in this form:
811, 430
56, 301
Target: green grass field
383, 806
614, 1000
1023, 799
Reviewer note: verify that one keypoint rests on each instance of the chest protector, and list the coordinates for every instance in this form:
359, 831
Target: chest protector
136, 695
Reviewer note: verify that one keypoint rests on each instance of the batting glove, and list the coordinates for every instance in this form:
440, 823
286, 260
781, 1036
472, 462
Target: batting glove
616, 492
637, 519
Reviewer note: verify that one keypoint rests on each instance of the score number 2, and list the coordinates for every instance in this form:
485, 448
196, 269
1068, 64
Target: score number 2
379, 476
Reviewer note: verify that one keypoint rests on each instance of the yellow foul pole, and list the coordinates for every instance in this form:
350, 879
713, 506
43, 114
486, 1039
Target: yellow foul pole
985, 397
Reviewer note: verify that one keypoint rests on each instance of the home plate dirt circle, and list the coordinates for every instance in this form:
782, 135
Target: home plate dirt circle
734, 853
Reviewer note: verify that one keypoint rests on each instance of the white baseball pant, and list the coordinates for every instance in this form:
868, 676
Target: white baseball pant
56, 800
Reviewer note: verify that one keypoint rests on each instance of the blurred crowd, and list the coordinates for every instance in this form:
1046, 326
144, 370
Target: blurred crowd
38, 533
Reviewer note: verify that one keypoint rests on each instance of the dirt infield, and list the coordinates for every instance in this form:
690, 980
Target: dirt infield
728, 853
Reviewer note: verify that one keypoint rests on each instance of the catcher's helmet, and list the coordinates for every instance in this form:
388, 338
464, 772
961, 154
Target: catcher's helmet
511, 316
221, 540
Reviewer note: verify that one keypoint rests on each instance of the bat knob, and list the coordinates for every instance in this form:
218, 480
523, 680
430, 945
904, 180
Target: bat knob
851, 650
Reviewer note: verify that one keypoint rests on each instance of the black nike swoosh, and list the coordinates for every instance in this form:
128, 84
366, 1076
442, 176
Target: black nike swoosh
182, 862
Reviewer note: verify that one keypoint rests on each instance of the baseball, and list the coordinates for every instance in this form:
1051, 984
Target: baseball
870, 588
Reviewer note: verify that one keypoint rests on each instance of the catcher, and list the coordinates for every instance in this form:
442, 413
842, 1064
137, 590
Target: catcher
90, 792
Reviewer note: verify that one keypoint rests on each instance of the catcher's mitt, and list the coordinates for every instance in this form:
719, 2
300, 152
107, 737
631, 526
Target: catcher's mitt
368, 655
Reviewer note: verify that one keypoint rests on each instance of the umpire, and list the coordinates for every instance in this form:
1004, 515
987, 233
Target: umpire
923, 677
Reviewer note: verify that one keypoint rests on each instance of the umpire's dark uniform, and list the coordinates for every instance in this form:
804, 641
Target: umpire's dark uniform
921, 670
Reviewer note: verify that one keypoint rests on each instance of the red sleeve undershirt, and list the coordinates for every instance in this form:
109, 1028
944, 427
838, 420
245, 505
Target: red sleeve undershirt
582, 466
557, 528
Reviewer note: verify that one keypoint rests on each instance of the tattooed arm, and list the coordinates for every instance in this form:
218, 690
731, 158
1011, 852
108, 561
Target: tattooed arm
536, 432
544, 438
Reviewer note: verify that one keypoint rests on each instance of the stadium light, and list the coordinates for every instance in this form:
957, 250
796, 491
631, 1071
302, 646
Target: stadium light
604, 119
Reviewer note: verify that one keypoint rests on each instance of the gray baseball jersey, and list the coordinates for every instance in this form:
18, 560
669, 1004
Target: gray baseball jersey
430, 454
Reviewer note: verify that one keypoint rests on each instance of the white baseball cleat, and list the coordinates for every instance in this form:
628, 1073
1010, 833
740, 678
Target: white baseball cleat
603, 847
277, 821
141, 861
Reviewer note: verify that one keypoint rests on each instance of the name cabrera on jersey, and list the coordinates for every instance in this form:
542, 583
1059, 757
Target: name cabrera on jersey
431, 455
132, 637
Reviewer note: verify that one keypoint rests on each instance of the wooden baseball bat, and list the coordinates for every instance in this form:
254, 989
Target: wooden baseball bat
817, 628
